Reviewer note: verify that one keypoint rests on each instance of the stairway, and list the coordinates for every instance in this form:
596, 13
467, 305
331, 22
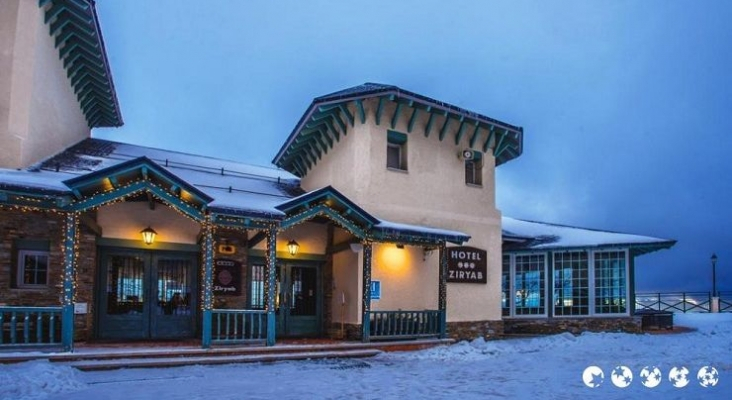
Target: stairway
90, 358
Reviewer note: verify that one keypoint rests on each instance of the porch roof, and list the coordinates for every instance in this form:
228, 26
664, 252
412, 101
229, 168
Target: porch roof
330, 116
332, 204
522, 235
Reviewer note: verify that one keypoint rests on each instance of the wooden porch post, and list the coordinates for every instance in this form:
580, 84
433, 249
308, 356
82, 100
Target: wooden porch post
442, 291
366, 301
271, 282
207, 282
67, 318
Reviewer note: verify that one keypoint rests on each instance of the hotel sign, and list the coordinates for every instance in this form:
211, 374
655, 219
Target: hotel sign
466, 265
227, 277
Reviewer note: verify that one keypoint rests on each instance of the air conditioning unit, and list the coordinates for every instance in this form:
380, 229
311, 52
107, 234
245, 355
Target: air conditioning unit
467, 155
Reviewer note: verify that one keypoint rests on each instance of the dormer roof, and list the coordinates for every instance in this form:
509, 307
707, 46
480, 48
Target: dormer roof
330, 116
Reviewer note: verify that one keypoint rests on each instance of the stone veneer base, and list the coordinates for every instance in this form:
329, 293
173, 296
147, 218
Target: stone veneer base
572, 325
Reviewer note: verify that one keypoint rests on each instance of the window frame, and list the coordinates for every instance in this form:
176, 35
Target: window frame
543, 289
251, 293
397, 140
587, 287
21, 268
474, 170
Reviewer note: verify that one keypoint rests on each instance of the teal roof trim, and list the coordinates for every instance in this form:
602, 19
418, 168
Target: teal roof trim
75, 28
326, 114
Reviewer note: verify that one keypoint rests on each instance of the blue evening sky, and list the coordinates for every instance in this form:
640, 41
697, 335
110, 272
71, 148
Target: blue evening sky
625, 105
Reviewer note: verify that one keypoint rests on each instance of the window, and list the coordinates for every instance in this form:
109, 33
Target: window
529, 282
571, 283
32, 268
474, 170
610, 282
396, 151
256, 287
506, 286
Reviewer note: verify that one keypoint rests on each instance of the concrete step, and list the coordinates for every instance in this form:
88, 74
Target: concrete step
165, 362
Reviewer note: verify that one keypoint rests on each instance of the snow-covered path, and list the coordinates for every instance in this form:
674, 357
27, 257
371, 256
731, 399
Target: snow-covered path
549, 368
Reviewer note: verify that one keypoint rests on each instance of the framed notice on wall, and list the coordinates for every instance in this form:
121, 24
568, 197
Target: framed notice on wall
466, 265
227, 277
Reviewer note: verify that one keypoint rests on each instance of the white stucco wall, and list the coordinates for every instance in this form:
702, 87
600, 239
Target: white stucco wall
432, 193
125, 220
39, 112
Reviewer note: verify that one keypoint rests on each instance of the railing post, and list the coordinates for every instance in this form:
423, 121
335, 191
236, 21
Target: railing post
366, 300
659, 301
442, 295
207, 281
67, 321
270, 288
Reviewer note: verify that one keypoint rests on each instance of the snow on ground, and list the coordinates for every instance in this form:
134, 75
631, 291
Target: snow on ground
548, 367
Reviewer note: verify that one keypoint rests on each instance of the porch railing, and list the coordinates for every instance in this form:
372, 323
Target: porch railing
238, 326
30, 326
681, 302
725, 301
404, 324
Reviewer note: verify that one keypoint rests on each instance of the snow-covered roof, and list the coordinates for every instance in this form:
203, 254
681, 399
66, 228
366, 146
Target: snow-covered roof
227, 187
531, 235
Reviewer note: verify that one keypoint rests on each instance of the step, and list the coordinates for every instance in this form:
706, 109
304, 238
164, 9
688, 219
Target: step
90, 352
166, 362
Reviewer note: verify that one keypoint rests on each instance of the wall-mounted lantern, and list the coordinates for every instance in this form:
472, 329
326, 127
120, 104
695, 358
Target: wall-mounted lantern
293, 247
148, 235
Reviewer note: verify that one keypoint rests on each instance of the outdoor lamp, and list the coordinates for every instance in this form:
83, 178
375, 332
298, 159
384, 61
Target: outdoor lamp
148, 235
293, 247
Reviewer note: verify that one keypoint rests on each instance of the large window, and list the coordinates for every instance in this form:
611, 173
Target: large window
32, 268
506, 286
583, 283
571, 283
610, 282
256, 287
474, 170
396, 151
529, 284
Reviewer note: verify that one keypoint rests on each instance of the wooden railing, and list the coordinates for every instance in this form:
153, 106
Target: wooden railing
30, 326
238, 326
682, 302
404, 324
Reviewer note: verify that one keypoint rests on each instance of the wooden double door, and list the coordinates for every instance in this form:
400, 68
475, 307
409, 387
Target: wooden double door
147, 295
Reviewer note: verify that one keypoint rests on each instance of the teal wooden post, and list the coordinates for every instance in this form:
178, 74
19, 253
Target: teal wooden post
442, 292
271, 281
366, 300
67, 313
207, 284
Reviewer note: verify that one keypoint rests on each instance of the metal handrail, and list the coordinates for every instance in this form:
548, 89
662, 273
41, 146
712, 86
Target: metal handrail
682, 302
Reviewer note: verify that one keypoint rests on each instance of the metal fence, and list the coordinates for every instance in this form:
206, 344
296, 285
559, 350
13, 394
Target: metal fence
404, 324
682, 302
30, 326
238, 326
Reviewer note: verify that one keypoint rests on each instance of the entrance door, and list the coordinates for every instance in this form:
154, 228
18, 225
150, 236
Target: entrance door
146, 295
298, 305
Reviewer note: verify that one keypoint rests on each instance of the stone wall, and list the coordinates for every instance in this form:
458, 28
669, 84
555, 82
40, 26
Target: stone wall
469, 330
572, 325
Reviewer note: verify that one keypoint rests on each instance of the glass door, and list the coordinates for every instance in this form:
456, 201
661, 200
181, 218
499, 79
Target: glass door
298, 300
146, 295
